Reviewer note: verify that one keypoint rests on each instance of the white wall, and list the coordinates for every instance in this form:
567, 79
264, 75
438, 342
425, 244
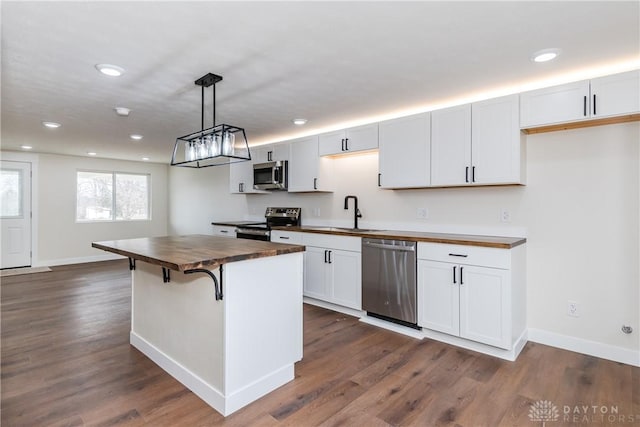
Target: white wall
580, 213
62, 240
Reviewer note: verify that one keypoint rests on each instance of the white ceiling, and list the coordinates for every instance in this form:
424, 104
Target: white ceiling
334, 63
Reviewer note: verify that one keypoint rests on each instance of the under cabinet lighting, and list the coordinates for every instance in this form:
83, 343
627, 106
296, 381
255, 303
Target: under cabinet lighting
51, 125
110, 70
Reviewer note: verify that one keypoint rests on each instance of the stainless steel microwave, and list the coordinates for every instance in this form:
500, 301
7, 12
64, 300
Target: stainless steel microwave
270, 176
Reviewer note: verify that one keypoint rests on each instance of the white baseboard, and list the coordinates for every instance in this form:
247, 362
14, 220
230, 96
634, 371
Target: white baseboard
510, 355
226, 405
334, 307
592, 348
78, 260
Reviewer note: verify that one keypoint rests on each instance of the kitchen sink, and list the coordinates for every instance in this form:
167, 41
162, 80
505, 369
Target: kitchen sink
354, 230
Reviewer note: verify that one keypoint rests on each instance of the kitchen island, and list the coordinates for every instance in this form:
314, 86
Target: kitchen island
227, 323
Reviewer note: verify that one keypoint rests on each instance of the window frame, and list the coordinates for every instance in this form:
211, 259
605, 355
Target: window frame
113, 218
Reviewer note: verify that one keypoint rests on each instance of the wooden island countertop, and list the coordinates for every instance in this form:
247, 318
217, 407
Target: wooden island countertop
182, 253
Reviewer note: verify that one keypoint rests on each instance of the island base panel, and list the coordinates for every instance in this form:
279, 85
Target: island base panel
228, 352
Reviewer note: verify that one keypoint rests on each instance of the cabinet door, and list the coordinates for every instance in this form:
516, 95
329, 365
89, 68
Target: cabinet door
303, 165
331, 143
485, 306
615, 95
405, 152
346, 271
362, 138
558, 104
241, 177
451, 146
315, 273
261, 154
495, 141
438, 296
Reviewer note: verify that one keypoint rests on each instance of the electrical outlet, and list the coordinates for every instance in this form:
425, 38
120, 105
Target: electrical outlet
505, 215
573, 309
422, 213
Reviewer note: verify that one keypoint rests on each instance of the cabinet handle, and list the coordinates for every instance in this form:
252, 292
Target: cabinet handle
379, 184
594, 104
454, 275
461, 282
329, 256
241, 187
270, 156
346, 144
460, 255
326, 253
224, 231
584, 106
473, 174
315, 183
342, 146
466, 174
284, 237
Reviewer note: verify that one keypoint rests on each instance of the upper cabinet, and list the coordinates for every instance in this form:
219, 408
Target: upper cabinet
351, 140
477, 144
270, 153
589, 99
405, 152
308, 172
451, 146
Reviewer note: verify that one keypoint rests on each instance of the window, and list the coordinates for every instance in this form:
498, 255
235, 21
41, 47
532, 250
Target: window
112, 196
11, 193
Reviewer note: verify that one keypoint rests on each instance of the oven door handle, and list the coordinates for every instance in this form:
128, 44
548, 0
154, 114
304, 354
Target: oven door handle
252, 232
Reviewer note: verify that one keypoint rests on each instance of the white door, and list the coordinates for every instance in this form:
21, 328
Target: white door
439, 296
346, 280
315, 273
451, 146
15, 214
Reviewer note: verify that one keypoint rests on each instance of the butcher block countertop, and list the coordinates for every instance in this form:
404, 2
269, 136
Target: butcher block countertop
417, 236
182, 253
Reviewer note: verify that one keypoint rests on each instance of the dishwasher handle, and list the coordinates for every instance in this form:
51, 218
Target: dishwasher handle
389, 247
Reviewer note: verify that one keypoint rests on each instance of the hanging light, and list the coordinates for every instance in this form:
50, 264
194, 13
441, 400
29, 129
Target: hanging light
218, 145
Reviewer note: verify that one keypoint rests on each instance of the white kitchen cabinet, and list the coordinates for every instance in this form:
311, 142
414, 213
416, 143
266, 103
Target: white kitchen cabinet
404, 159
308, 172
350, 140
451, 146
497, 145
615, 95
332, 269
477, 144
224, 231
588, 99
270, 153
241, 178
474, 293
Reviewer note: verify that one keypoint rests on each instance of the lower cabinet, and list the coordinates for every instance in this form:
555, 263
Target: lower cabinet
333, 276
471, 292
224, 231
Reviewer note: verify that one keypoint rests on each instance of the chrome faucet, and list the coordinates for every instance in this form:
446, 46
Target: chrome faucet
356, 211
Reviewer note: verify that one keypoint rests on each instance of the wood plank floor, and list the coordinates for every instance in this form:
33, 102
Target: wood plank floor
66, 361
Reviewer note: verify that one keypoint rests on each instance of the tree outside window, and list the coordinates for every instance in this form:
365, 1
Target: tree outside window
112, 196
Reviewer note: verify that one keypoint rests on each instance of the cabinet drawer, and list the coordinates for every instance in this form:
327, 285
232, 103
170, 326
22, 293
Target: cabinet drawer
224, 231
345, 243
462, 254
290, 237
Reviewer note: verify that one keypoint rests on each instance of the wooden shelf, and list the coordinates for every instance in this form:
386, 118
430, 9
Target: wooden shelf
583, 124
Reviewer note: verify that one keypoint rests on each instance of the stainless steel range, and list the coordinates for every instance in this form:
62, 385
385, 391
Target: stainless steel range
275, 217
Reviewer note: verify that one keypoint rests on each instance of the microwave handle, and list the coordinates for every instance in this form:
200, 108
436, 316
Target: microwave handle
276, 175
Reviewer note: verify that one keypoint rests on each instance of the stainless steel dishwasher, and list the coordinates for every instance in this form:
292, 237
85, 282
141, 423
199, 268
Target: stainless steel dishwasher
389, 280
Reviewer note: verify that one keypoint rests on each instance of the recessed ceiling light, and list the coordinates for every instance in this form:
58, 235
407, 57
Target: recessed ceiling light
299, 122
545, 55
92, 153
110, 70
135, 136
146, 159
122, 111
26, 147
51, 125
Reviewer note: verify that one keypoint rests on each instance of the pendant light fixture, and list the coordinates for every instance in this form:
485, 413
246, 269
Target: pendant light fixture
218, 145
